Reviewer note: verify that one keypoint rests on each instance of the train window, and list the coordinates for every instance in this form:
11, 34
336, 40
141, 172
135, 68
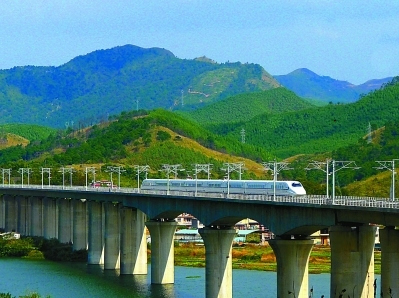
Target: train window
256, 185
236, 185
281, 186
296, 184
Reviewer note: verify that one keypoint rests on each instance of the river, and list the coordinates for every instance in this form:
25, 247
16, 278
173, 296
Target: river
58, 280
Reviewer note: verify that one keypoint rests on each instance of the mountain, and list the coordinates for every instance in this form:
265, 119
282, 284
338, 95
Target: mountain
308, 84
91, 87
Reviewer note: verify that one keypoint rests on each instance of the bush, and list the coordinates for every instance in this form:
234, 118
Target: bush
53, 250
163, 135
16, 247
38, 247
35, 254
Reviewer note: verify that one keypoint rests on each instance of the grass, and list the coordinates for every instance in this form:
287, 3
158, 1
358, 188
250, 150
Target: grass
260, 257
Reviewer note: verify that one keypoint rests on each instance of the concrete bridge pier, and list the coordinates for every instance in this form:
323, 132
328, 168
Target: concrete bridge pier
162, 251
23, 219
10, 213
111, 236
389, 239
218, 261
50, 218
36, 226
64, 220
79, 225
292, 257
2, 225
352, 261
133, 242
95, 233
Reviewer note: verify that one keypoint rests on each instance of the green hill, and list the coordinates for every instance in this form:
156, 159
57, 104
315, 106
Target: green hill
27, 131
135, 138
318, 129
162, 137
89, 88
244, 107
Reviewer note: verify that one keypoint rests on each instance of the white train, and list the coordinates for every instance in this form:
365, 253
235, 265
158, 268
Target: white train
264, 187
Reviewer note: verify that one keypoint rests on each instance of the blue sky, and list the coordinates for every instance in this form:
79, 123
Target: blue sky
347, 40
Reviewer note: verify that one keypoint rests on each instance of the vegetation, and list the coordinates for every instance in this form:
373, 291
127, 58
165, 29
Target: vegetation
259, 257
132, 138
27, 131
88, 88
163, 137
16, 247
320, 129
244, 107
39, 248
366, 180
249, 256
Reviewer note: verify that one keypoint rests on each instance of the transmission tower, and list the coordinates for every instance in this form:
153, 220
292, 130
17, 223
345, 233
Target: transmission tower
369, 134
137, 104
182, 97
243, 136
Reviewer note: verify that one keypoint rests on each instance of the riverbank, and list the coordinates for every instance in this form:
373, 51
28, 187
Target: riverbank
249, 256
260, 257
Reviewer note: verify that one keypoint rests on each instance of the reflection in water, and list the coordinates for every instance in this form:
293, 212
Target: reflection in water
139, 285
162, 291
78, 280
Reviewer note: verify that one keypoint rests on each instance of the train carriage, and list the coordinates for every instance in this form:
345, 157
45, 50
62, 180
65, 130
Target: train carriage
265, 187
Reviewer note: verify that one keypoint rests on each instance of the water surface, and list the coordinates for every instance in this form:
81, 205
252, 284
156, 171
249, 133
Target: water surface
59, 280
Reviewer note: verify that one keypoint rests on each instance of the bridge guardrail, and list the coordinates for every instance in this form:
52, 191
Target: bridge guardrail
374, 202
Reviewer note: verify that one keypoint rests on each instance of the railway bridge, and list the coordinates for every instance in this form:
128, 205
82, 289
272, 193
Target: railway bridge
111, 225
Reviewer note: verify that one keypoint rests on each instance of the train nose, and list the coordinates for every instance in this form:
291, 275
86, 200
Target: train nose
302, 192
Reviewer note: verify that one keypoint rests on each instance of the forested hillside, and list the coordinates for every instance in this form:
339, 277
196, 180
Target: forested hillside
89, 88
318, 129
26, 131
367, 179
162, 137
134, 138
243, 107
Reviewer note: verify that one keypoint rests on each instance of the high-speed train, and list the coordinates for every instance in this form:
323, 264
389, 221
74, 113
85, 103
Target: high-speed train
258, 187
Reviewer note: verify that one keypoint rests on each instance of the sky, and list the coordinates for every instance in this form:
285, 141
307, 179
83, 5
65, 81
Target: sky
350, 40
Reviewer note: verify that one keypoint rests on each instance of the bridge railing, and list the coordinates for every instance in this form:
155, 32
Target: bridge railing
374, 202
72, 188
